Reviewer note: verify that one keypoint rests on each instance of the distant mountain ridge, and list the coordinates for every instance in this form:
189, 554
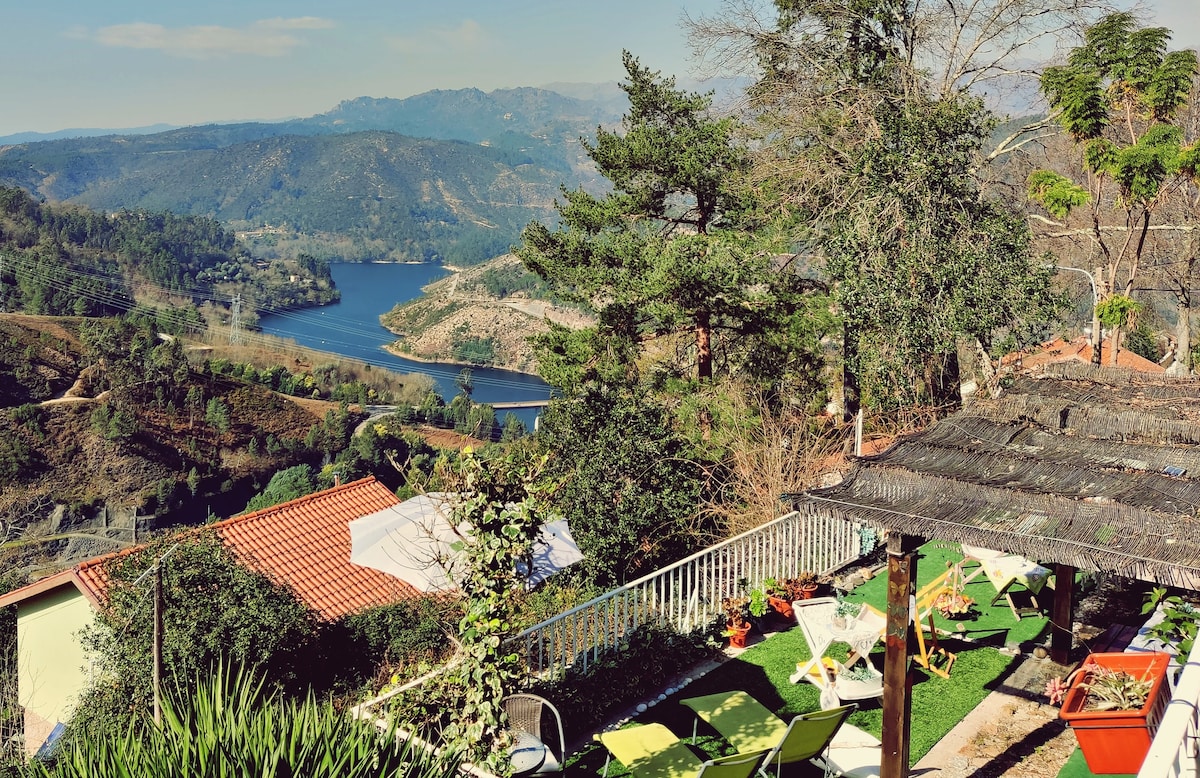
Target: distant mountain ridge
449, 175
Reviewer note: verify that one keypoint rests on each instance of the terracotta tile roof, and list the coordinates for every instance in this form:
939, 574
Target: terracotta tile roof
304, 544
1078, 350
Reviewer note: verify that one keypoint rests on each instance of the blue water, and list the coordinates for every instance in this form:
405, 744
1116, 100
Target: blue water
351, 329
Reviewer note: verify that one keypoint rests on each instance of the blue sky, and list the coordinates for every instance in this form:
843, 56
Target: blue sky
129, 63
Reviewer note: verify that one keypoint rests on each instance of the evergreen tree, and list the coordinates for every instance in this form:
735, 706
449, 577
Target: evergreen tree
667, 252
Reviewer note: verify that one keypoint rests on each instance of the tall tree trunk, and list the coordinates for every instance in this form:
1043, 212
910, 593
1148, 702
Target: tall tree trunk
1097, 330
704, 366
851, 397
704, 358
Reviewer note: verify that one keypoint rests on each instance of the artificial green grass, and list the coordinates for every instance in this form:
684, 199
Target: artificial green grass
993, 625
1076, 767
762, 671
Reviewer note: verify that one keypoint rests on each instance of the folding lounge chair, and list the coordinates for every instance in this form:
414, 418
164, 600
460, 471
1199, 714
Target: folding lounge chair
747, 724
932, 656
653, 751
815, 618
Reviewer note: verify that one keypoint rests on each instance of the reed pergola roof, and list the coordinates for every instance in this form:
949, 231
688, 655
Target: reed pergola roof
1097, 468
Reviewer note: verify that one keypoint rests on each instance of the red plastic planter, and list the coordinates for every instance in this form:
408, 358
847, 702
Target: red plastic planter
1116, 741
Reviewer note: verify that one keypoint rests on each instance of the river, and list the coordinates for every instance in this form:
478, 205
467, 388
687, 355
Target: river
351, 328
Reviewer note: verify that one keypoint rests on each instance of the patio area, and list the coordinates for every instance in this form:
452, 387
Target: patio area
994, 674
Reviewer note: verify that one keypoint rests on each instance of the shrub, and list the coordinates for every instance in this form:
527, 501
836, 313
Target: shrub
214, 609
233, 724
649, 655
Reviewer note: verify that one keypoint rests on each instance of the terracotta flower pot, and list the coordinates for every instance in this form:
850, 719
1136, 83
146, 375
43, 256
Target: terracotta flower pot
1116, 741
737, 635
807, 591
781, 606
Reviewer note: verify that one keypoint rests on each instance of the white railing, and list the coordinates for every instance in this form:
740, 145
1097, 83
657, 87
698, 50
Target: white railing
687, 595
1173, 754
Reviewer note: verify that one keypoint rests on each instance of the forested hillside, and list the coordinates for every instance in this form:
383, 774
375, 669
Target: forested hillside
479, 168
68, 260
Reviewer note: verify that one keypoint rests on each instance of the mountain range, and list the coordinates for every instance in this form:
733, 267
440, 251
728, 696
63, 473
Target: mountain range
447, 175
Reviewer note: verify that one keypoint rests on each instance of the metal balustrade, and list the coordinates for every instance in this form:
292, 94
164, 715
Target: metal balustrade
1174, 753
687, 595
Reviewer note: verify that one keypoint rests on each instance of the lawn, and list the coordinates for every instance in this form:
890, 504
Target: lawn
937, 703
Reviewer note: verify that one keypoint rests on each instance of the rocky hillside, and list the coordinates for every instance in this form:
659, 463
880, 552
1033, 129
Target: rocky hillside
482, 315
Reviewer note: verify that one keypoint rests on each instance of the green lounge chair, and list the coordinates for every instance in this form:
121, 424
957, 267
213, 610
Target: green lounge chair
747, 724
653, 751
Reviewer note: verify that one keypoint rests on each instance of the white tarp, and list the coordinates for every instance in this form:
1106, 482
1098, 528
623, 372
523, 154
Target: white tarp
412, 541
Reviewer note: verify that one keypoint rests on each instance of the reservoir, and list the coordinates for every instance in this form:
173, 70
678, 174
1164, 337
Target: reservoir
351, 328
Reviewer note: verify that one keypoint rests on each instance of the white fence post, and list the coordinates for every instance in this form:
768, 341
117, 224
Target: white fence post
1173, 753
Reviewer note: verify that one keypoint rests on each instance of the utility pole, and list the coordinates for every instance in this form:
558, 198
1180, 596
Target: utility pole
235, 322
157, 650
157, 639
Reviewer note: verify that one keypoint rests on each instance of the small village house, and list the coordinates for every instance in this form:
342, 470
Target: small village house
304, 543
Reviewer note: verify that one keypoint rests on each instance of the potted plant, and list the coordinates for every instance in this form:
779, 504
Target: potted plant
845, 613
737, 622
953, 604
757, 607
777, 599
858, 682
1114, 703
801, 587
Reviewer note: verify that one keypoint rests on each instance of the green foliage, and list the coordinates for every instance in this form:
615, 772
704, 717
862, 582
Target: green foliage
926, 259
68, 261
1181, 619
1117, 96
665, 252
216, 413
122, 425
1116, 310
399, 637
17, 459
1123, 64
12, 722
214, 608
647, 656
1057, 193
385, 449
1142, 341
287, 484
513, 428
630, 485
223, 723
501, 500
474, 350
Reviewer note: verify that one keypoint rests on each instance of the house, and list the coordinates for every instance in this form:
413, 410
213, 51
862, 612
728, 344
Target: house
304, 543
1077, 350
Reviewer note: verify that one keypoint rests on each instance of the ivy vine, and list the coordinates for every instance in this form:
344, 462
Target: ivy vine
498, 514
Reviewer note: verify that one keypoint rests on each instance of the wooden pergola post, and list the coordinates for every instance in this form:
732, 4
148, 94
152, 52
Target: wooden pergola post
897, 678
1062, 614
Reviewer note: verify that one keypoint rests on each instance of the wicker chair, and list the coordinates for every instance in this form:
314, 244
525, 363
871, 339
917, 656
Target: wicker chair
532, 715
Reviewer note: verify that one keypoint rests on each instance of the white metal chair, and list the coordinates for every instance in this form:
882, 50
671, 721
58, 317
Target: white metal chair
536, 717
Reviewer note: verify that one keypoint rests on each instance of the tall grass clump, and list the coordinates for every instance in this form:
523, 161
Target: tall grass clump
231, 724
